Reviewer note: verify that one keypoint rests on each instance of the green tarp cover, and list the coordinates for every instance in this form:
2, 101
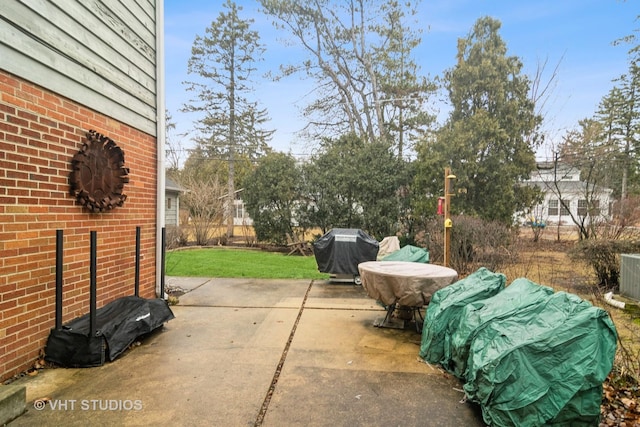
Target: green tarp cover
543, 364
520, 296
527, 355
408, 253
445, 308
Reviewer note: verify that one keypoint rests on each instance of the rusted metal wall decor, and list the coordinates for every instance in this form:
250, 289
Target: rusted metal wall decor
98, 174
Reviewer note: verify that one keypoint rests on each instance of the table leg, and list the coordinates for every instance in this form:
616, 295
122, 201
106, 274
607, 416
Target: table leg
417, 313
388, 322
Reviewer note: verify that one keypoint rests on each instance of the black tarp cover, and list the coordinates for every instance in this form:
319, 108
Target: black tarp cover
340, 250
118, 324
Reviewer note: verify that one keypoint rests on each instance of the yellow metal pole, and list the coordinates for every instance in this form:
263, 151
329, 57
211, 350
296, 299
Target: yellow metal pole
448, 183
447, 220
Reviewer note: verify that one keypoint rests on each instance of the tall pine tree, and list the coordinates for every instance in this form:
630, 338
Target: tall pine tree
230, 125
490, 135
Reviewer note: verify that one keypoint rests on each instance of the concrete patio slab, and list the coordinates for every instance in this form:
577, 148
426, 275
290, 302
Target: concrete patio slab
253, 352
247, 293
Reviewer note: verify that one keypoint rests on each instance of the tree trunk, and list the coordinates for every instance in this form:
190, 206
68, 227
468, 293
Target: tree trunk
232, 145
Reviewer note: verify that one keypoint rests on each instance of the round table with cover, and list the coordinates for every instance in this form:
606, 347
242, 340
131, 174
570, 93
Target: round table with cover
403, 283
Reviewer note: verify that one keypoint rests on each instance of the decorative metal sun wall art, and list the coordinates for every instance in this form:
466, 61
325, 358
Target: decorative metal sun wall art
98, 174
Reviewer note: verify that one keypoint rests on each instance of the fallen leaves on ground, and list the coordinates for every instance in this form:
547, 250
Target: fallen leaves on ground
620, 404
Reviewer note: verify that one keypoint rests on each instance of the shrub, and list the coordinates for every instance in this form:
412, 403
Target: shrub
205, 203
603, 256
475, 243
270, 195
175, 237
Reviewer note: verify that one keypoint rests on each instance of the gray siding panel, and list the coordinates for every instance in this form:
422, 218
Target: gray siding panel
100, 54
171, 214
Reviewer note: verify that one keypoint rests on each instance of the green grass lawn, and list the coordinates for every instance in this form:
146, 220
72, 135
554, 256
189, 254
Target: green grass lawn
224, 262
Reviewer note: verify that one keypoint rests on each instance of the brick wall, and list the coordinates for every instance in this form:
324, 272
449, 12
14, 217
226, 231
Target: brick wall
40, 132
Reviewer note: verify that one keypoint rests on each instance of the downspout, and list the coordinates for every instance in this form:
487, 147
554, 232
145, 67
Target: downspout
160, 138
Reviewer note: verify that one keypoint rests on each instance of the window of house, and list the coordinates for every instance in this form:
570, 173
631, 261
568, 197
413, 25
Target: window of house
582, 207
564, 207
553, 208
239, 210
168, 202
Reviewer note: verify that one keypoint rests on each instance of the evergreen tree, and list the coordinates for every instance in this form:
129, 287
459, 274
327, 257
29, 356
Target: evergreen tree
271, 195
351, 183
605, 146
630, 117
230, 124
629, 121
490, 135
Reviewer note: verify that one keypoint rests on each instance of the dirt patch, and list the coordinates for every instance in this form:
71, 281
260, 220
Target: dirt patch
547, 263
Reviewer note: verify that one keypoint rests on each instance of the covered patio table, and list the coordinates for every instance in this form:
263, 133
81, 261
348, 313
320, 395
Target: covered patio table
403, 284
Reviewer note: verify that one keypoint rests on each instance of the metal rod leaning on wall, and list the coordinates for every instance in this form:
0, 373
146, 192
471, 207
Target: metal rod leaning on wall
59, 267
92, 284
137, 274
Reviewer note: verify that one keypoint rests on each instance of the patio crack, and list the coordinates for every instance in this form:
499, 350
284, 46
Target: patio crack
276, 375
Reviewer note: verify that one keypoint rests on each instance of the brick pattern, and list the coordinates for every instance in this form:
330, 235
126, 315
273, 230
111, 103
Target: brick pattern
39, 134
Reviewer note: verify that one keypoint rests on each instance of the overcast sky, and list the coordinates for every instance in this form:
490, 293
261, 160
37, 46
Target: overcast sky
575, 35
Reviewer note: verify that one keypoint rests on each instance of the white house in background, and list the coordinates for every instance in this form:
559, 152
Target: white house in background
558, 180
172, 202
240, 215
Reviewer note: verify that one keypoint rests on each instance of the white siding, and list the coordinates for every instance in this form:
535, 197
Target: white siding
240, 215
171, 209
560, 179
98, 53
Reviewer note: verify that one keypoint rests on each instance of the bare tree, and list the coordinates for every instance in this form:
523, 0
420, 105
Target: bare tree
367, 83
204, 199
585, 154
173, 146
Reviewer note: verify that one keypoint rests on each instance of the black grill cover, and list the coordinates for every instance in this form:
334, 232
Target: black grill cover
341, 250
118, 324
